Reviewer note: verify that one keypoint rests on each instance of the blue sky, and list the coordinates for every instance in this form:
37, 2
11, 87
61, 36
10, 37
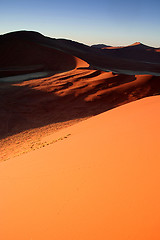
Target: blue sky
112, 22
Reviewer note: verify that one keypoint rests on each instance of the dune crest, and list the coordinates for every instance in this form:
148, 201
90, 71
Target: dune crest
80, 63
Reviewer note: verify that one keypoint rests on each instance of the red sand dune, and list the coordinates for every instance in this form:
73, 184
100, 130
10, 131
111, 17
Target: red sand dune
75, 84
101, 182
75, 94
98, 179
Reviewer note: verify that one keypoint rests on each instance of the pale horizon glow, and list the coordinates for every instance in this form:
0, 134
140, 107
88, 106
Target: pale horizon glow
114, 23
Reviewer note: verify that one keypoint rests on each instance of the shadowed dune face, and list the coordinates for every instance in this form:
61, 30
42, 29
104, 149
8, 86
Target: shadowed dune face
137, 51
100, 46
20, 56
30, 48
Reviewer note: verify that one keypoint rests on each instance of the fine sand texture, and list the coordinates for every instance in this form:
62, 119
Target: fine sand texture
98, 179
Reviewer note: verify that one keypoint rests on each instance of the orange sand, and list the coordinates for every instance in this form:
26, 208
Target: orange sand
101, 182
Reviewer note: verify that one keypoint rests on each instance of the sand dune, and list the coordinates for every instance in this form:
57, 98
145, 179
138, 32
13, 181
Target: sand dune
137, 44
75, 94
65, 82
20, 55
37, 107
39, 49
137, 52
101, 181
100, 46
97, 179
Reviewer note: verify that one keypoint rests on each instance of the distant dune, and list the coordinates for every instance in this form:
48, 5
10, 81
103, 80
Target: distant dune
137, 52
98, 179
100, 46
47, 84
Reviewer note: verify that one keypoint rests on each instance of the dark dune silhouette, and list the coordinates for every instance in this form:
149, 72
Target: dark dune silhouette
100, 46
137, 51
22, 53
28, 48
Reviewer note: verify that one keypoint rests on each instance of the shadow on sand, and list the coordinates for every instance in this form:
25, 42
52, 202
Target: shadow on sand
23, 107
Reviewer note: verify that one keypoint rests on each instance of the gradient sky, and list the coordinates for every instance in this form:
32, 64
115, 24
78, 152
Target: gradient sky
105, 21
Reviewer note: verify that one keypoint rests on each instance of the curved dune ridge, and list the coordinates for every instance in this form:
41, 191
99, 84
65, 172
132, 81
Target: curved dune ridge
27, 48
100, 180
27, 73
80, 63
24, 53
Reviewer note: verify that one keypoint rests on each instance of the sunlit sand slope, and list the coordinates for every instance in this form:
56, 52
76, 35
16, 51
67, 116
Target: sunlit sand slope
100, 182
